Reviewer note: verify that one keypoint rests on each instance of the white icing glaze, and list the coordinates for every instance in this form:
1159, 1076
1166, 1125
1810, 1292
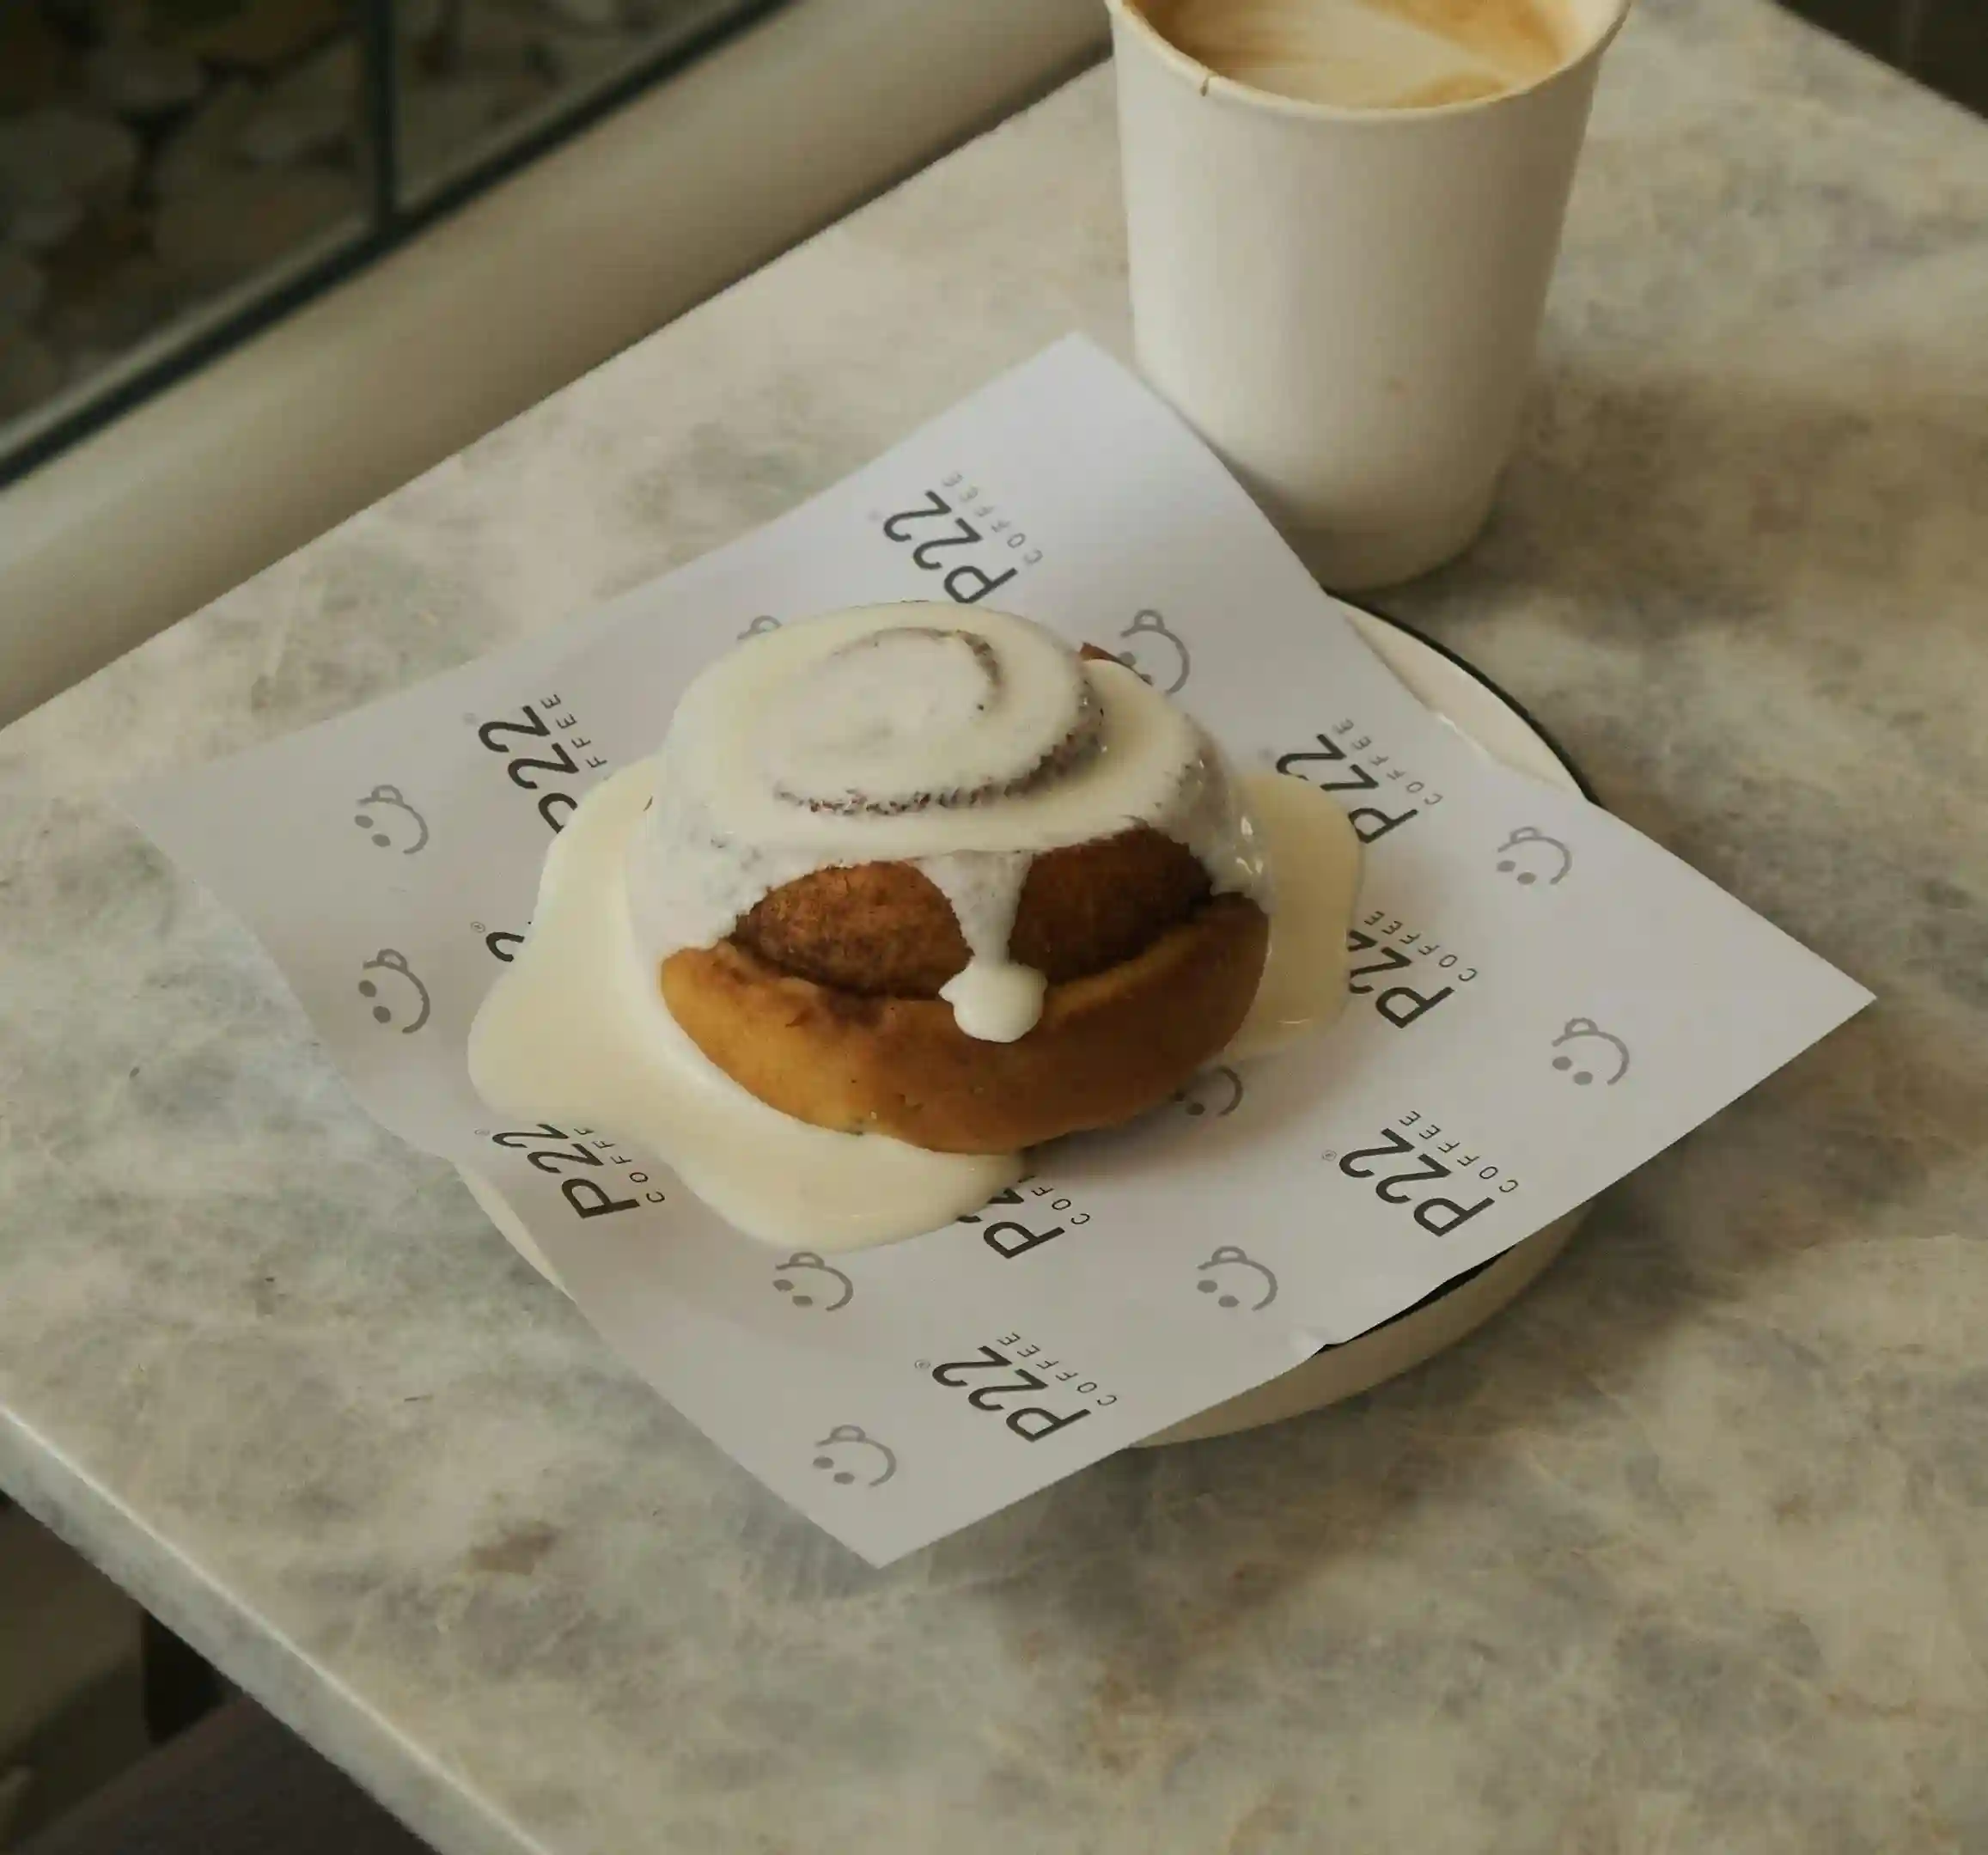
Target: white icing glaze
966, 743
1314, 853
907, 714
576, 1032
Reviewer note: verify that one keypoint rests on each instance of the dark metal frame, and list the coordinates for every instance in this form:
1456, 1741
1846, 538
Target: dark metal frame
1471, 670
390, 218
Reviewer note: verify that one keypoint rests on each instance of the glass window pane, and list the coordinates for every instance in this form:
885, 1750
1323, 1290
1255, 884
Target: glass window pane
163, 165
478, 76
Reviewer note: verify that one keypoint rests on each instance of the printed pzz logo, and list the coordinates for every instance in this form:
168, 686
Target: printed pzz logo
1586, 1040
1164, 661
407, 833
1231, 1289
1529, 856
807, 1281
414, 1002
850, 1453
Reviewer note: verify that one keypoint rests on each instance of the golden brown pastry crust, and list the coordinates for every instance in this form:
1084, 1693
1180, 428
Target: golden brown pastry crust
1110, 1045
885, 928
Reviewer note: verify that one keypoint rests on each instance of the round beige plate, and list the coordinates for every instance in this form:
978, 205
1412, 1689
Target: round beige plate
1341, 1371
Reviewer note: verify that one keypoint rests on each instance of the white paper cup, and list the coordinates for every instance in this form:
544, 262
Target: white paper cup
1344, 303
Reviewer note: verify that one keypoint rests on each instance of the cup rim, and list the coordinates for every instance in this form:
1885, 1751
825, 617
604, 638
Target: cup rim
1212, 82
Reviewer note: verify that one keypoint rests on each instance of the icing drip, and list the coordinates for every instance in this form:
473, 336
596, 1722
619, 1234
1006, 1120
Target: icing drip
992, 997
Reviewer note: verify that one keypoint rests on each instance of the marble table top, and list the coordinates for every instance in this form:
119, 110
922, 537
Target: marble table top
1687, 1550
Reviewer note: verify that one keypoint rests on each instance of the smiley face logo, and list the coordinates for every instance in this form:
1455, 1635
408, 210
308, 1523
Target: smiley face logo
760, 627
387, 960
1215, 1093
1586, 1030
1520, 859
855, 1436
801, 1294
1224, 1288
1168, 657
370, 818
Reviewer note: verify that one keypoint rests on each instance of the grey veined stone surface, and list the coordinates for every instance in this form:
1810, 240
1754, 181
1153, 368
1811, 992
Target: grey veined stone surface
1686, 1551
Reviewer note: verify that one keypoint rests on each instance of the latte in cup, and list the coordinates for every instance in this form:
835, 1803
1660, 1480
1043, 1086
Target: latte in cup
1372, 54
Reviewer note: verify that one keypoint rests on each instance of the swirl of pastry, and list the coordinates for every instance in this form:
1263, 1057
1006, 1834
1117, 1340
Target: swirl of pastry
906, 734
914, 730
911, 716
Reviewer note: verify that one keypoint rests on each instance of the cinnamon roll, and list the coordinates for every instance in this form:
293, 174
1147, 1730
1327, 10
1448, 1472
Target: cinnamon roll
929, 872
905, 892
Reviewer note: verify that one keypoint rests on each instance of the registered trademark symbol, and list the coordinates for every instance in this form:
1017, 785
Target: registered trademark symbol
1328, 1154
921, 1365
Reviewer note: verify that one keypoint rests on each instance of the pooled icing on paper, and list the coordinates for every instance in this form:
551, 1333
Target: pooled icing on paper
576, 1032
974, 752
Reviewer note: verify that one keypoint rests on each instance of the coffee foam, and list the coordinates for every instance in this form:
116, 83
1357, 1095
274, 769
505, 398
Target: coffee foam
1372, 54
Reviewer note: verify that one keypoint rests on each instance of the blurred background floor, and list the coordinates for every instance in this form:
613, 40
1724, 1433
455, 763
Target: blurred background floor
1943, 43
72, 1686
116, 1739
